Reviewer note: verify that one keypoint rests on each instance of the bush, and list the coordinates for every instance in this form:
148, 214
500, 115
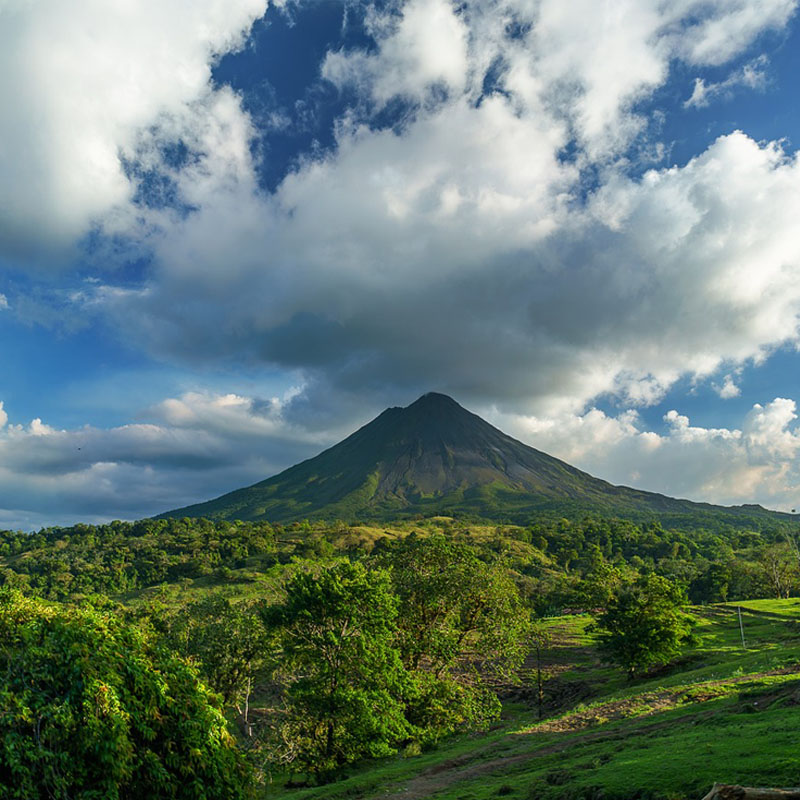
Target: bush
644, 624
91, 709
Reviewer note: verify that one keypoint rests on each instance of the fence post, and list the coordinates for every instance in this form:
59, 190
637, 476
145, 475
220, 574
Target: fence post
741, 627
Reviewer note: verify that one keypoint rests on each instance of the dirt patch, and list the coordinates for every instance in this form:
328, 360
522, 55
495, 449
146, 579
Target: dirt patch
641, 705
452, 763
439, 777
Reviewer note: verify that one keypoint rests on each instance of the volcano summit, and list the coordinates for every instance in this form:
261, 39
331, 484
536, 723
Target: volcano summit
435, 457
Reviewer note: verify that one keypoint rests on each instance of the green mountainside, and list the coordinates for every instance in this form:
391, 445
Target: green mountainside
435, 457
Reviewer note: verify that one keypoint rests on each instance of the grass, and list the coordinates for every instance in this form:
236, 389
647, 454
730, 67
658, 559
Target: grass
722, 713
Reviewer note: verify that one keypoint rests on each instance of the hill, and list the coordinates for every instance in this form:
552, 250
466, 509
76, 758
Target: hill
669, 735
435, 457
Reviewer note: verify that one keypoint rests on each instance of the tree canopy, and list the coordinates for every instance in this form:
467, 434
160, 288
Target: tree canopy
644, 624
92, 709
461, 625
344, 680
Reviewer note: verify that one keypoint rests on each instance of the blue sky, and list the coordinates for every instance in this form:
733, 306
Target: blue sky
231, 232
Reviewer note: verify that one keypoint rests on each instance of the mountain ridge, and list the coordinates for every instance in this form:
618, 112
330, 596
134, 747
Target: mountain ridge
434, 456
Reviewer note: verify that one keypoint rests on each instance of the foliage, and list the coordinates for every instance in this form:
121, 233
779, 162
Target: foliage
644, 624
343, 677
454, 606
780, 568
227, 640
461, 621
601, 584
90, 709
126, 556
551, 556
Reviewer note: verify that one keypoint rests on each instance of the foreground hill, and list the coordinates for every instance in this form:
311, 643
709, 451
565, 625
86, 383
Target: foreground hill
436, 457
722, 714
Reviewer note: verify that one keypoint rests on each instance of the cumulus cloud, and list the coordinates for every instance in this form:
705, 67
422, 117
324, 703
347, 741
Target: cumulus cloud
84, 79
676, 272
468, 219
426, 46
193, 447
728, 389
755, 463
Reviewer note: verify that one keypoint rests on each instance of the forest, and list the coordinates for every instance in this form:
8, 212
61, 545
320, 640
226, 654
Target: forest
199, 659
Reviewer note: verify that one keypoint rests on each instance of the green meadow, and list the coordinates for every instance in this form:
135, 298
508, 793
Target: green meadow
724, 713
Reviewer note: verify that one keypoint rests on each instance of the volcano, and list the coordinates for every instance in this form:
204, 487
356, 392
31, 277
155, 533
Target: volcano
435, 457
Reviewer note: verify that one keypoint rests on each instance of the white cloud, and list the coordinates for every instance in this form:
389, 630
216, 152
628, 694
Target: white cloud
83, 80
725, 27
195, 447
469, 222
728, 389
426, 46
468, 219
583, 62
752, 75
756, 463
671, 274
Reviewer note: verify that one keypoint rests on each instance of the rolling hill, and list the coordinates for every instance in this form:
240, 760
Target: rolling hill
435, 457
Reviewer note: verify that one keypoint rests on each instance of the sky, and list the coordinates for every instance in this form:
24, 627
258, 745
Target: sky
231, 232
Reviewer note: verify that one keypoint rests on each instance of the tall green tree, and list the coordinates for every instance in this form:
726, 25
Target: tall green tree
644, 624
91, 708
229, 643
461, 627
779, 567
343, 678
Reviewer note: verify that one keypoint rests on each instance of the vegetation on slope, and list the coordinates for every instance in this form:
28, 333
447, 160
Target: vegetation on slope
435, 457
237, 600
722, 713
555, 561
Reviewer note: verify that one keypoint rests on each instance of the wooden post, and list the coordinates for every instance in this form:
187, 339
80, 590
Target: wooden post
539, 679
741, 627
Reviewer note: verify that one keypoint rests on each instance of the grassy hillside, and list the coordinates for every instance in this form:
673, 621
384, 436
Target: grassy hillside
723, 714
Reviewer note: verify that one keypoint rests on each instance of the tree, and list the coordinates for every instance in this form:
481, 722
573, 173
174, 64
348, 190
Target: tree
454, 606
644, 624
91, 708
779, 568
599, 586
343, 678
461, 626
230, 644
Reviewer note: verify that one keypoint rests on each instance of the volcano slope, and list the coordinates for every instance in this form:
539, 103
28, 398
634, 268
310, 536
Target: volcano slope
435, 457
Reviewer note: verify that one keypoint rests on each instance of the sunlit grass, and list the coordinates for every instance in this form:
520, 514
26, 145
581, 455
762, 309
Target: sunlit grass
722, 713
